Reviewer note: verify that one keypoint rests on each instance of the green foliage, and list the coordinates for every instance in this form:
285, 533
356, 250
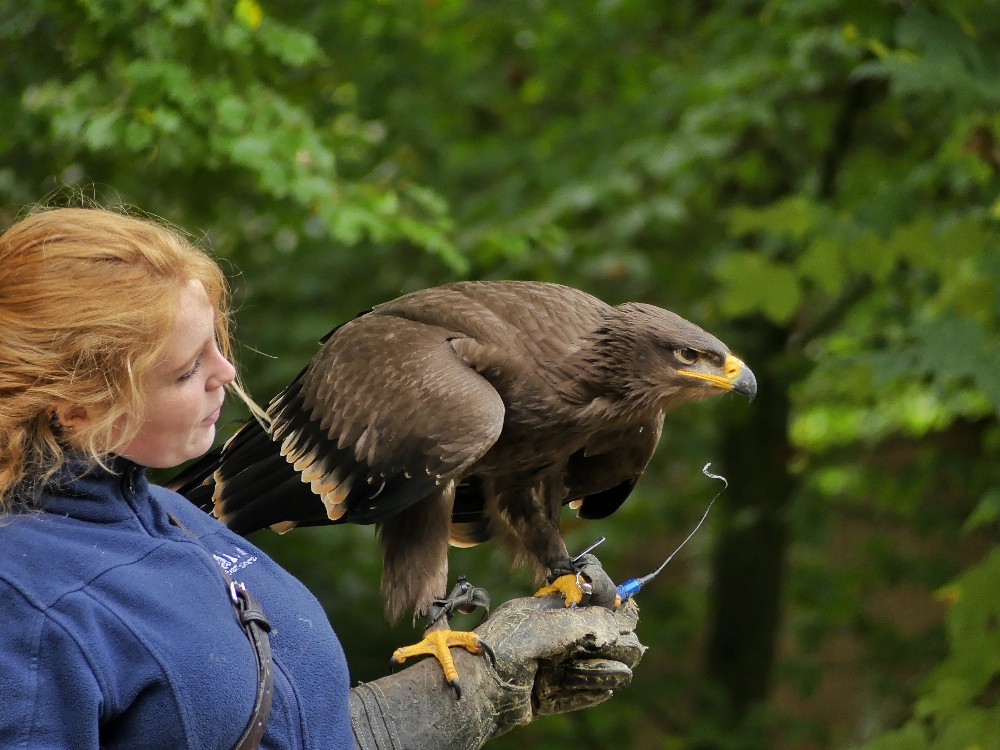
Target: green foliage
825, 172
958, 706
220, 117
752, 283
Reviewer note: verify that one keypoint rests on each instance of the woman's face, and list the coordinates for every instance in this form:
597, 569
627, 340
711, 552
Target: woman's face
185, 392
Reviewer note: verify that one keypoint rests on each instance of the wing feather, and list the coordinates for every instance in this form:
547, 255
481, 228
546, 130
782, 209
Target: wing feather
384, 415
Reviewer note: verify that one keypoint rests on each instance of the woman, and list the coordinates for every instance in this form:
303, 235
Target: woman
119, 628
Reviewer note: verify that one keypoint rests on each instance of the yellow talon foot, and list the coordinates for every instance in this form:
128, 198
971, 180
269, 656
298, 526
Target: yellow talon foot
438, 644
569, 587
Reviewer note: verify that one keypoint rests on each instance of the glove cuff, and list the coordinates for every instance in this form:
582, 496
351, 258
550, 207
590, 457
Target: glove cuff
373, 730
392, 713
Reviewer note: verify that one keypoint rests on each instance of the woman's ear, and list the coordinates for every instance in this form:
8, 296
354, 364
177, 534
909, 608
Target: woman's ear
71, 418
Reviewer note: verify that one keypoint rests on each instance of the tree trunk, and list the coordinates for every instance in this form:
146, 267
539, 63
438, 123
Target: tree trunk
749, 556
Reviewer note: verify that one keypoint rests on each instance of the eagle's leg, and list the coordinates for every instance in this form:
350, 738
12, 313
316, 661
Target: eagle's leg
580, 580
439, 639
415, 572
529, 524
567, 581
527, 520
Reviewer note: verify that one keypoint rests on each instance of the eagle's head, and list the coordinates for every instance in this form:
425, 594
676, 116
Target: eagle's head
662, 360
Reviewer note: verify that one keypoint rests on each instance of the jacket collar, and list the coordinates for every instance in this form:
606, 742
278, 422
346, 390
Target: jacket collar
87, 492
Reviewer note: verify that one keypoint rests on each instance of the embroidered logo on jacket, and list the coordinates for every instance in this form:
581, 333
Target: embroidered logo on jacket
234, 563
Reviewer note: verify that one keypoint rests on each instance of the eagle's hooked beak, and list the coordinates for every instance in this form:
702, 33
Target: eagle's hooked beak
736, 376
741, 377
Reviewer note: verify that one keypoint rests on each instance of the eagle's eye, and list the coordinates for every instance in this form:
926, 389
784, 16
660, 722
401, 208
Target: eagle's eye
686, 355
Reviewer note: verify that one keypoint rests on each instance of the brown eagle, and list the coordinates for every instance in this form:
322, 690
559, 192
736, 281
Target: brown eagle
464, 412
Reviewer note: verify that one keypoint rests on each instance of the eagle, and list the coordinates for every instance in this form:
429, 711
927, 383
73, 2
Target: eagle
465, 412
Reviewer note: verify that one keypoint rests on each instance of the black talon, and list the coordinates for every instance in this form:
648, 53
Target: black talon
458, 689
489, 652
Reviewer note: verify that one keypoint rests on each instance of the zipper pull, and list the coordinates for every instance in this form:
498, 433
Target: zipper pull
130, 479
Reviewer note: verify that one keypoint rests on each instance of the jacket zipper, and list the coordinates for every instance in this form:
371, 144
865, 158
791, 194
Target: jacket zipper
129, 482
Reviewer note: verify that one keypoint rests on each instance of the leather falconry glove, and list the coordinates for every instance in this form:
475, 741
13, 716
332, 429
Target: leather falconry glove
549, 660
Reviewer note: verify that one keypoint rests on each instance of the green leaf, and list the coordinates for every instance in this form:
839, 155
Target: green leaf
752, 283
865, 255
823, 264
232, 112
792, 217
909, 737
249, 13
103, 132
291, 46
987, 512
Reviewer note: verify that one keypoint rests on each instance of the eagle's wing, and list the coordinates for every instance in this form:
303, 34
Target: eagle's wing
598, 479
385, 412
603, 475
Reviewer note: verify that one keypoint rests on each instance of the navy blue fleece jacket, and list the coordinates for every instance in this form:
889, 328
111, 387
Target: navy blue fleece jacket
116, 631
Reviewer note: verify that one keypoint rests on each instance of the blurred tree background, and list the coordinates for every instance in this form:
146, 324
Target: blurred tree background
817, 183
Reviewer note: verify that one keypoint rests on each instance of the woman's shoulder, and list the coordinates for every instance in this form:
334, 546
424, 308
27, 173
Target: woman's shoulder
68, 542
46, 556
24, 561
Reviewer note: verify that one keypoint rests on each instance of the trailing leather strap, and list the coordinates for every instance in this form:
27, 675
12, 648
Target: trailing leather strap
255, 625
